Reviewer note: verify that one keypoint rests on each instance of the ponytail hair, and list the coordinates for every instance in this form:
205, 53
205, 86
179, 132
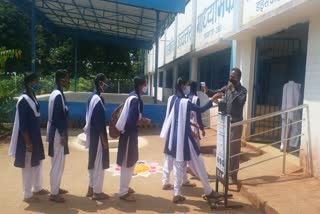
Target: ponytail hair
29, 77
139, 81
98, 78
179, 83
194, 87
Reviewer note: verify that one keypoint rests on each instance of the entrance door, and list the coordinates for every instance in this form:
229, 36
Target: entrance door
278, 61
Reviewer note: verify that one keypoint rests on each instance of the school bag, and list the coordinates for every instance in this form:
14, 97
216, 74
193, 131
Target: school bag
113, 131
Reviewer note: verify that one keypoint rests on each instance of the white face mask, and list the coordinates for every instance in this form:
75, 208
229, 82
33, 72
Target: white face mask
144, 89
103, 87
187, 91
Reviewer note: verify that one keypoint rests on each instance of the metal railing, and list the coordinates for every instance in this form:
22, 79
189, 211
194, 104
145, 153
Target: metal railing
289, 122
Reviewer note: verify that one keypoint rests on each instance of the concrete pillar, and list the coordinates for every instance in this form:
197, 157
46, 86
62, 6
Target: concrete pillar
164, 78
245, 52
312, 97
150, 84
175, 76
164, 88
194, 24
194, 69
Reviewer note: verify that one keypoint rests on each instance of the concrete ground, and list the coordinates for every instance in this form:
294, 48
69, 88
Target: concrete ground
274, 192
150, 197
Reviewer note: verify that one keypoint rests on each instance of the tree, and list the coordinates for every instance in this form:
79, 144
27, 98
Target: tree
54, 52
8, 54
15, 34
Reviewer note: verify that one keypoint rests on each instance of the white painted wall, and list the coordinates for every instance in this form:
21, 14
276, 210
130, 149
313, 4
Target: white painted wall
167, 92
246, 51
159, 95
253, 9
184, 31
194, 68
312, 90
170, 47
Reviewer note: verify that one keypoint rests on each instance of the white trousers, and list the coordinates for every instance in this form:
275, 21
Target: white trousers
197, 165
178, 171
57, 165
96, 175
125, 174
31, 177
168, 167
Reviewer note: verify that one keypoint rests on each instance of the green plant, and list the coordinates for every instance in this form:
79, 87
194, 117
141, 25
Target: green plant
83, 84
9, 88
46, 84
8, 54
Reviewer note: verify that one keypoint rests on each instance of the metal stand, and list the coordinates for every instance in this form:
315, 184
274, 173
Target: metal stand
222, 171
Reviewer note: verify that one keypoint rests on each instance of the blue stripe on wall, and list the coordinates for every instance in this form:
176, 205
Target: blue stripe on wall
77, 112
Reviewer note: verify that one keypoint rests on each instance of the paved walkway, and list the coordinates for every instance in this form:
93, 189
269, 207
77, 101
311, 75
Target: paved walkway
150, 197
266, 187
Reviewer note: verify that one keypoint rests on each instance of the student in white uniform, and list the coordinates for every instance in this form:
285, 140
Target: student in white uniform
97, 140
57, 134
182, 147
129, 121
168, 160
196, 119
26, 144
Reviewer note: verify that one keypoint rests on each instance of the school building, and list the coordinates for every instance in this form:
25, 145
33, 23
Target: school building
271, 41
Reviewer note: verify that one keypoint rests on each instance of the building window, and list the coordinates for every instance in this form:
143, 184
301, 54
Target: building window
184, 71
161, 79
169, 78
215, 69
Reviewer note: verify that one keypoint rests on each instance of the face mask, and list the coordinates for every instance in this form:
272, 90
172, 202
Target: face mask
144, 89
34, 87
103, 87
233, 81
66, 83
187, 91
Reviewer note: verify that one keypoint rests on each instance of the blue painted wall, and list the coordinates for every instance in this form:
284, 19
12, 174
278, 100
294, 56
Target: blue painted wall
77, 112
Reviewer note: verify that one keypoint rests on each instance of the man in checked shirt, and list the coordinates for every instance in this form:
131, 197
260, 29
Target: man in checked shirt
235, 96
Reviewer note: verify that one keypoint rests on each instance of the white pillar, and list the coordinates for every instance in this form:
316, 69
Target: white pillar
166, 92
311, 93
246, 51
194, 69
152, 88
194, 24
164, 78
175, 76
